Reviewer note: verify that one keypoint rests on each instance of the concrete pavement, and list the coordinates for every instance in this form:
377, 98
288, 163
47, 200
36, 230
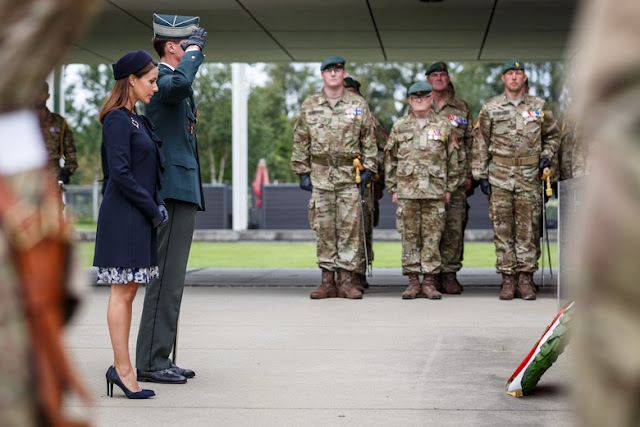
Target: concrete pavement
269, 355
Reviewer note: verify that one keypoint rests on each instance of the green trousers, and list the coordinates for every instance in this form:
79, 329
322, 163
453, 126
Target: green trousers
159, 322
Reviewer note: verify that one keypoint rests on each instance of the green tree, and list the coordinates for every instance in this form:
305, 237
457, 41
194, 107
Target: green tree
212, 91
92, 85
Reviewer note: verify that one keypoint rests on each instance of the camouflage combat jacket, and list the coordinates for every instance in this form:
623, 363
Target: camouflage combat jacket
457, 112
421, 163
59, 140
528, 131
381, 136
326, 139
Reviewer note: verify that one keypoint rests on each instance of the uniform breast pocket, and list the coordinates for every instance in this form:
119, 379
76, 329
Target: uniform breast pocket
501, 125
405, 145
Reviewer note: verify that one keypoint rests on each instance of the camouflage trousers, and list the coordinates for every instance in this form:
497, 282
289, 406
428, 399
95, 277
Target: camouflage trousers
452, 242
336, 218
420, 222
368, 228
17, 399
516, 228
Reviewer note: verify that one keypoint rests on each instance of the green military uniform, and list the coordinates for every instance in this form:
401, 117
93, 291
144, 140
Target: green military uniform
326, 140
421, 166
509, 141
606, 98
457, 112
373, 194
59, 141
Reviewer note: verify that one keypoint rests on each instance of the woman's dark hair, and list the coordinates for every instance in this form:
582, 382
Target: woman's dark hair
119, 95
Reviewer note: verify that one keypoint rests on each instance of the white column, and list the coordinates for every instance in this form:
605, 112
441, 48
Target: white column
239, 144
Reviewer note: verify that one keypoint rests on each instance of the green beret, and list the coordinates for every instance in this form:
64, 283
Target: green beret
514, 64
419, 89
332, 62
437, 66
349, 82
174, 26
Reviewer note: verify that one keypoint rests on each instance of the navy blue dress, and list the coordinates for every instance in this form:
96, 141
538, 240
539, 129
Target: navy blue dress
132, 164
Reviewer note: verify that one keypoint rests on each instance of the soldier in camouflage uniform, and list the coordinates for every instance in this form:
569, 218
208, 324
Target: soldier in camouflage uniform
606, 96
570, 159
421, 168
334, 128
372, 194
456, 111
513, 139
58, 138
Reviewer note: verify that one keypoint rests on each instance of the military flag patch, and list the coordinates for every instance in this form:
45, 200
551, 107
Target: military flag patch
457, 120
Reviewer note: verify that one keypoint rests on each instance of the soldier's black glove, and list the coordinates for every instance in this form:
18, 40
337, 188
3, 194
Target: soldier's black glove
485, 186
64, 176
365, 178
305, 182
198, 38
544, 163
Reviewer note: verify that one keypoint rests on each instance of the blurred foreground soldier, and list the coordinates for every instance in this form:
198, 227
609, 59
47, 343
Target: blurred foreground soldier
607, 107
57, 137
456, 111
34, 368
422, 171
333, 131
570, 160
372, 195
179, 42
514, 138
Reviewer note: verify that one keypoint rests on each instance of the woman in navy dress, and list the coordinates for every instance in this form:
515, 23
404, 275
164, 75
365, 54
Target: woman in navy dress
131, 209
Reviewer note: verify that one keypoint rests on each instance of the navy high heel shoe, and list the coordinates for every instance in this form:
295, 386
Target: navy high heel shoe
114, 378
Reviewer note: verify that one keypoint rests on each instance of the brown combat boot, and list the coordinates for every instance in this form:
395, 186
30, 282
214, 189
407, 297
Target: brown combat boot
450, 284
327, 289
525, 286
438, 283
429, 287
360, 281
346, 289
413, 290
508, 286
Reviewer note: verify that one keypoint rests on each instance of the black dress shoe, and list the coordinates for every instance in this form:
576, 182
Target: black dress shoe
163, 376
187, 373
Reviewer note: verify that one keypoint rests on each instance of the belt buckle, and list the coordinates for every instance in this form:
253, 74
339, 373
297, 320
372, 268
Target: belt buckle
517, 161
334, 162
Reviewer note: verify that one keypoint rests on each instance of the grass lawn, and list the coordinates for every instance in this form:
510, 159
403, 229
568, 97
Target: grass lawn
303, 255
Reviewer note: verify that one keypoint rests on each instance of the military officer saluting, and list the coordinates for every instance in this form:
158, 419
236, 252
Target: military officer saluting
513, 139
421, 168
446, 105
333, 129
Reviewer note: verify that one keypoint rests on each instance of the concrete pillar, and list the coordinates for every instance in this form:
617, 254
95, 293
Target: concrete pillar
55, 102
239, 144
